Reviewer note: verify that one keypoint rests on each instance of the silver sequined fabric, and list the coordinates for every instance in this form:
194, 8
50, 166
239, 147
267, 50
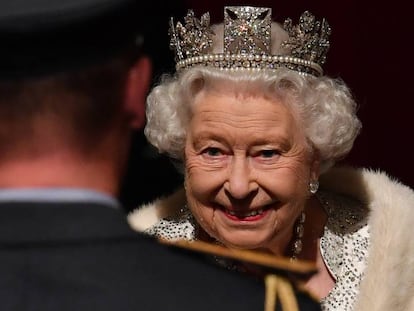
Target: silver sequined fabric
344, 245
344, 248
177, 228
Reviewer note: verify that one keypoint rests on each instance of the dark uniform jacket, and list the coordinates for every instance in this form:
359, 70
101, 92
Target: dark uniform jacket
79, 256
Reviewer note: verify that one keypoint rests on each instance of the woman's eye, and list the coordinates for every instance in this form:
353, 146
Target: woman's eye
213, 152
268, 153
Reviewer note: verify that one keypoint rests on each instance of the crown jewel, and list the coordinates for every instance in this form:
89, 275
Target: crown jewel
247, 41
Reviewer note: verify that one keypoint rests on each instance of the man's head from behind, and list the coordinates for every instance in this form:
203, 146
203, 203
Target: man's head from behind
72, 80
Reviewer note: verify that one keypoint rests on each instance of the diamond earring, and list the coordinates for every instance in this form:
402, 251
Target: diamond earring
313, 186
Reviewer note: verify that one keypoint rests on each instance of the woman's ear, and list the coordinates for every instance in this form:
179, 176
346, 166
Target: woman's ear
137, 87
315, 166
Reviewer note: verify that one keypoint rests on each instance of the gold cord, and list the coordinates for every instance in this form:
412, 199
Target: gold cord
279, 286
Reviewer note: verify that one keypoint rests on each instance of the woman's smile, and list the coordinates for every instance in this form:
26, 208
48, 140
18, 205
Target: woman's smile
245, 215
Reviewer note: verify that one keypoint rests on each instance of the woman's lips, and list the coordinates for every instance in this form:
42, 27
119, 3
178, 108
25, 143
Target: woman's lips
250, 215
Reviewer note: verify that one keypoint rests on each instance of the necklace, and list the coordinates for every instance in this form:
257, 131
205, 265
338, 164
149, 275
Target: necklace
298, 231
297, 246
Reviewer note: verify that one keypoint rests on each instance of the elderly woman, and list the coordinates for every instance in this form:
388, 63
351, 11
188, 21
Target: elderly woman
258, 128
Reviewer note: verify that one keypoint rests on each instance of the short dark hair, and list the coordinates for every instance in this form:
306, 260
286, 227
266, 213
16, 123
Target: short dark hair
66, 59
85, 102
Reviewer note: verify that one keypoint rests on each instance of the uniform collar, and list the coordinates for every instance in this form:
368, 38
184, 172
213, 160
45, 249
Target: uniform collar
48, 221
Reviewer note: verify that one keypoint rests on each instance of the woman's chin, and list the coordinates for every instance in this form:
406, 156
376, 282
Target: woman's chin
245, 243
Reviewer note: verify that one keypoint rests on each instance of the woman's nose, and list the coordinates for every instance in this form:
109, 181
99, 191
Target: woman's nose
240, 183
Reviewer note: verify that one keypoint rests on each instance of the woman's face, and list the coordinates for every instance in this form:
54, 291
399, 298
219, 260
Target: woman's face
248, 169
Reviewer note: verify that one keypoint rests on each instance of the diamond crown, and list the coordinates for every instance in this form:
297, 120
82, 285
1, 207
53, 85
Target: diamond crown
247, 41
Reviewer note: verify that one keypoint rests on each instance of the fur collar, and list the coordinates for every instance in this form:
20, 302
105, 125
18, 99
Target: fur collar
388, 283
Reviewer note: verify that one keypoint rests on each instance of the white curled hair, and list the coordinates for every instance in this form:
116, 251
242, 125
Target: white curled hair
324, 106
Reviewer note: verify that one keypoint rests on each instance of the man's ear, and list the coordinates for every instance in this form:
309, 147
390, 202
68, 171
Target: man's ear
137, 86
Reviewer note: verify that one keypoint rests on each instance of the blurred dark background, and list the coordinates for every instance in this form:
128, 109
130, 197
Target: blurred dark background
370, 50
